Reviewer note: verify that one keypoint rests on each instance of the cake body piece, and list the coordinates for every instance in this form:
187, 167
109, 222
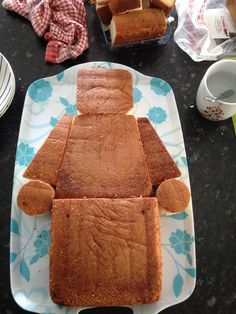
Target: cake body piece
160, 164
137, 25
104, 158
47, 160
105, 252
104, 91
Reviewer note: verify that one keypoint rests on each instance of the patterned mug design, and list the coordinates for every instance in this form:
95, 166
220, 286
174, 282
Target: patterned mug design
213, 113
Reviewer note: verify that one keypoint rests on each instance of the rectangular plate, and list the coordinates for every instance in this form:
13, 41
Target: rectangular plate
46, 101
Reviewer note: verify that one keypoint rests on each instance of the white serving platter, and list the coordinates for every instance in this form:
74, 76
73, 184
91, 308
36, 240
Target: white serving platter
47, 99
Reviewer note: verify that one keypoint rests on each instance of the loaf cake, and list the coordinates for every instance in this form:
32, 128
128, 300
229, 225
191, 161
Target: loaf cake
160, 164
165, 5
104, 158
105, 252
122, 6
104, 91
47, 160
137, 25
35, 197
173, 196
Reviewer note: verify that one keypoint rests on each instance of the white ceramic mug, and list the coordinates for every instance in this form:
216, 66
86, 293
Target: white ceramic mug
219, 77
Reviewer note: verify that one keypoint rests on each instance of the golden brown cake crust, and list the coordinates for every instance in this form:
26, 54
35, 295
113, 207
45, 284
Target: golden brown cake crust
47, 161
138, 25
101, 2
35, 197
104, 13
120, 6
173, 196
103, 91
104, 158
165, 5
160, 164
105, 252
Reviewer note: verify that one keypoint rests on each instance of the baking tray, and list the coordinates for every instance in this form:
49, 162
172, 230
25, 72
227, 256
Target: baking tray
46, 100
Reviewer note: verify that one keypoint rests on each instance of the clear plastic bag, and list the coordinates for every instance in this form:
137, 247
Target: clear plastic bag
194, 34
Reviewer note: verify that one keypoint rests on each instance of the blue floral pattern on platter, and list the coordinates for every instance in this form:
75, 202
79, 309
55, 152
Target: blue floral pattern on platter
160, 87
157, 115
40, 91
46, 101
137, 95
24, 154
41, 245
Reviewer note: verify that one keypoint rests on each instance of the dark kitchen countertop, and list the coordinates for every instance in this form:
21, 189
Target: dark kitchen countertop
210, 147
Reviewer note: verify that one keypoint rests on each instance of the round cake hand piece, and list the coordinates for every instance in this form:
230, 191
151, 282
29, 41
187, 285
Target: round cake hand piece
35, 198
173, 196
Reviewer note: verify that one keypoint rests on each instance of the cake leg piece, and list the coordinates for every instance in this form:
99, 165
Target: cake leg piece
105, 252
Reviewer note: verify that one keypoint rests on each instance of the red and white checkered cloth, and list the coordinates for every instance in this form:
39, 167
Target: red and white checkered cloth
62, 22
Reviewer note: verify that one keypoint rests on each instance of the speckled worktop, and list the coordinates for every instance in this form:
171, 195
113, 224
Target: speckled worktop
210, 146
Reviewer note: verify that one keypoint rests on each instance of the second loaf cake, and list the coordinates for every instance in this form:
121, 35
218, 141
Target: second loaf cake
137, 25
